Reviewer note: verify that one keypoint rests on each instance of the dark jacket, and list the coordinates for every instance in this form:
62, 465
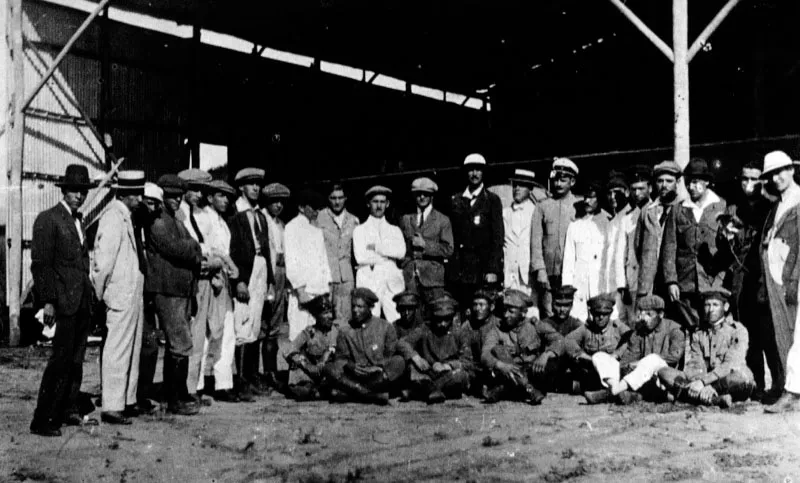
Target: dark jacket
173, 258
451, 348
59, 261
524, 343
427, 263
587, 340
372, 344
479, 234
566, 327
666, 340
243, 248
476, 336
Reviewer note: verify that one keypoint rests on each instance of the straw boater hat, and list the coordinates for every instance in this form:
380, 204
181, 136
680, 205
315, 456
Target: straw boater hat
76, 176
130, 182
523, 177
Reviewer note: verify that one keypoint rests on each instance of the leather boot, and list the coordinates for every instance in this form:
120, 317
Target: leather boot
597, 397
177, 390
360, 392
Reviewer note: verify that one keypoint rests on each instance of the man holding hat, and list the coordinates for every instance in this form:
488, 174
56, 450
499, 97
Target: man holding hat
549, 233
716, 371
377, 246
522, 353
60, 269
407, 304
119, 282
477, 218
641, 187
517, 229
311, 351
429, 241
690, 244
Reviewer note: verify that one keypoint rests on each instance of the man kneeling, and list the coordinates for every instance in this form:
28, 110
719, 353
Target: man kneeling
311, 350
365, 363
522, 354
716, 370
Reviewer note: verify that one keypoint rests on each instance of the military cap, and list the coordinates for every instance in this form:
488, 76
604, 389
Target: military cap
667, 167
718, 294
601, 304
564, 166
130, 181
474, 159
365, 294
617, 181
319, 304
218, 185
195, 177
564, 293
172, 184
249, 174
406, 299
482, 293
640, 172
650, 302
276, 191
443, 308
424, 185
152, 190
377, 190
516, 298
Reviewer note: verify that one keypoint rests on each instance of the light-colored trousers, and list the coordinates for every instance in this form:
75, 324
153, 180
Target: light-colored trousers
646, 369
793, 363
386, 282
341, 300
199, 327
123, 344
218, 357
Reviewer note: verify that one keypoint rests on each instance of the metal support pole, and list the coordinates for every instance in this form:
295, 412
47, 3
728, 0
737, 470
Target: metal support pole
636, 21
16, 137
194, 142
702, 39
680, 41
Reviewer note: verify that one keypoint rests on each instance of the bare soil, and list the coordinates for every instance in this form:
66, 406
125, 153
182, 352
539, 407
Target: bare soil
277, 440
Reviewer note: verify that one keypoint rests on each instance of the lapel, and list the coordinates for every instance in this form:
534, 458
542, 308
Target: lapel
68, 220
429, 223
791, 213
480, 201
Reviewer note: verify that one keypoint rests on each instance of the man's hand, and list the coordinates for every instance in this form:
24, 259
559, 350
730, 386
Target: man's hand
439, 367
508, 370
541, 280
695, 388
421, 363
49, 315
707, 394
674, 292
490, 278
242, 294
540, 363
418, 241
625, 294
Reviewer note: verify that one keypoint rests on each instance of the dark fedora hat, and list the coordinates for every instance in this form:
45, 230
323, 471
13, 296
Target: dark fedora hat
76, 176
698, 169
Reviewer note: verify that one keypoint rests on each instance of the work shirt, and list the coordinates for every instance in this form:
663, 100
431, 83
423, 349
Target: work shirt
716, 351
476, 335
524, 342
370, 344
549, 233
589, 339
449, 348
566, 327
313, 343
666, 340
338, 231
306, 258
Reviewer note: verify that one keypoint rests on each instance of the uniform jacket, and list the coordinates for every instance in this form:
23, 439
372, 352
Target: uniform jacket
427, 265
630, 256
173, 258
549, 233
451, 348
689, 247
517, 245
524, 342
566, 327
476, 336
314, 343
59, 261
478, 232
718, 352
115, 265
403, 331
371, 344
584, 260
588, 340
649, 234
243, 245
666, 340
306, 257
339, 244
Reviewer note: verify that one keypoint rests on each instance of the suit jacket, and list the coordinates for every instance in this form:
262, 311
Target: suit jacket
648, 238
517, 245
173, 258
666, 340
115, 265
59, 261
339, 244
689, 247
243, 247
549, 233
478, 232
428, 262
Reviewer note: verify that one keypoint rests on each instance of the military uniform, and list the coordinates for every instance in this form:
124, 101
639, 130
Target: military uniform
311, 350
589, 340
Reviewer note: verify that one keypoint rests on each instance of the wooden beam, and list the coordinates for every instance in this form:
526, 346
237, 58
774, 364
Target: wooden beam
194, 141
644, 29
680, 42
702, 39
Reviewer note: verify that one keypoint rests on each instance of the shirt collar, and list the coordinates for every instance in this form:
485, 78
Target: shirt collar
427, 211
243, 205
521, 206
470, 195
709, 199
376, 221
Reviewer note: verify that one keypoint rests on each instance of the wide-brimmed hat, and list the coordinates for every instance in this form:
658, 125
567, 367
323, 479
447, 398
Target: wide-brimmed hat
698, 169
76, 176
774, 161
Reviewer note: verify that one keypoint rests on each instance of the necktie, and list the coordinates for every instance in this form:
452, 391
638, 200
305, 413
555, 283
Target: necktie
77, 215
421, 219
257, 224
663, 218
193, 221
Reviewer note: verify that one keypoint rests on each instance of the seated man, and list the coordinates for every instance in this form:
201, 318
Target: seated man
410, 318
521, 353
311, 350
716, 371
438, 357
366, 363
599, 335
563, 300
474, 330
654, 344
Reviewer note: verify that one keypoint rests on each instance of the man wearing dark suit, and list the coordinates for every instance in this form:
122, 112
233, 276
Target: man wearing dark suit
60, 268
429, 242
477, 219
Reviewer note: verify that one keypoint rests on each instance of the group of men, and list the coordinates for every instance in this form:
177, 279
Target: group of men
642, 300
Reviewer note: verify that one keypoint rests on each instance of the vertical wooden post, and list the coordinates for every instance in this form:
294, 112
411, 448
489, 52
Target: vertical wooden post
194, 141
680, 46
105, 84
16, 137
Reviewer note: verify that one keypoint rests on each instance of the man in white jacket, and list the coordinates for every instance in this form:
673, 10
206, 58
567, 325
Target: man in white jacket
118, 282
378, 245
307, 266
517, 244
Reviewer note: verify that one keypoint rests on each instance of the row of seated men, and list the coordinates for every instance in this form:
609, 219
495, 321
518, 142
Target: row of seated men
432, 355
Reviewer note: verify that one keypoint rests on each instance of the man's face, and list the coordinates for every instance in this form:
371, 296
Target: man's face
361, 310
521, 193
715, 310
648, 319
750, 180
481, 309
250, 190
441, 324
641, 192
274, 207
667, 184
153, 206
512, 316
599, 319
377, 205
132, 201
562, 184
697, 188
423, 199
310, 213
74, 199
408, 314
617, 199
474, 177
561, 309
172, 203
337, 200
782, 179
325, 320
192, 196
220, 202
591, 202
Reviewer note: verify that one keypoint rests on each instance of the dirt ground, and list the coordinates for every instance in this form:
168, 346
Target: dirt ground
276, 440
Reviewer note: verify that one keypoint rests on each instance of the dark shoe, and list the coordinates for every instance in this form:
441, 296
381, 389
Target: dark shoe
788, 402
183, 408
208, 385
378, 398
47, 430
114, 417
436, 397
725, 401
337, 396
535, 396
145, 406
227, 396
758, 395
628, 397
131, 411
75, 419
244, 396
494, 394
597, 397
405, 395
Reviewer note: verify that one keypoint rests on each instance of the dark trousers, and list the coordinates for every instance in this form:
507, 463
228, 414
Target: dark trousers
516, 386
148, 358
735, 383
452, 383
763, 343
174, 316
544, 298
340, 374
61, 382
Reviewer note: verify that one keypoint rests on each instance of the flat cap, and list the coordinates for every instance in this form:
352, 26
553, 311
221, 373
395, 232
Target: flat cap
172, 184
377, 190
617, 181
564, 166
473, 159
601, 304
406, 299
424, 185
319, 304
443, 307
667, 167
516, 298
484, 294
564, 293
365, 294
130, 180
195, 177
218, 185
718, 294
276, 191
640, 172
650, 302
152, 190
249, 174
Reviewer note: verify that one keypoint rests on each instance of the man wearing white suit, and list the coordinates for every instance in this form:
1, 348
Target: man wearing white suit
517, 229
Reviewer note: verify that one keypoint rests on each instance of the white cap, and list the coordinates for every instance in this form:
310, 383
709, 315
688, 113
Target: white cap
152, 190
475, 158
564, 165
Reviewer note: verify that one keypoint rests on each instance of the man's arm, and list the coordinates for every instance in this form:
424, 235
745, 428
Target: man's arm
677, 346
443, 247
695, 365
573, 343
568, 265
106, 246
489, 343
537, 237
392, 245
43, 251
183, 251
553, 340
495, 264
406, 346
734, 357
648, 257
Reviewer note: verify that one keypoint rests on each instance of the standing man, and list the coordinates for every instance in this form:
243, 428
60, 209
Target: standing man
307, 267
429, 242
617, 197
690, 243
780, 259
119, 283
549, 233
378, 245
338, 224
60, 269
641, 188
517, 220
477, 217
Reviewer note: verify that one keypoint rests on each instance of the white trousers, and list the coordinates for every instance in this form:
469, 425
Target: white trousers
247, 316
123, 344
219, 353
298, 318
647, 368
793, 363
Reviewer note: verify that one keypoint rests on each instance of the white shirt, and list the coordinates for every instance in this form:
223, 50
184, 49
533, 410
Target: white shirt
339, 219
306, 258
387, 238
472, 195
697, 210
77, 221
425, 214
